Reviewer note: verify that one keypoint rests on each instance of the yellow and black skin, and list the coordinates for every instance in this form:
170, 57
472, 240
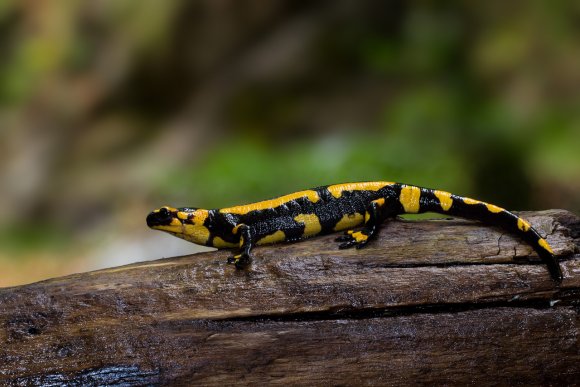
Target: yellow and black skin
329, 209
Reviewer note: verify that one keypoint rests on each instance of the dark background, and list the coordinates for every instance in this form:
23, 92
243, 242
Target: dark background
109, 109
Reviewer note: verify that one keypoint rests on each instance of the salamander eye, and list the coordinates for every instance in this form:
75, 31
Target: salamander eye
164, 212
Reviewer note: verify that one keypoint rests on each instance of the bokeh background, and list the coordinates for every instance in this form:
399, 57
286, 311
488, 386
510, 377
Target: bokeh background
109, 109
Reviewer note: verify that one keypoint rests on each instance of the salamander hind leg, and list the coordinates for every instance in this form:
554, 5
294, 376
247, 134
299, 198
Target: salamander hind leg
243, 258
374, 216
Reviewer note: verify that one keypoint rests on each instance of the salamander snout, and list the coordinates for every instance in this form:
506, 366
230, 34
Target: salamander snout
160, 217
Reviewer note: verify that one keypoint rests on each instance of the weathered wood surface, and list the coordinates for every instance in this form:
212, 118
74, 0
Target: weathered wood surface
443, 301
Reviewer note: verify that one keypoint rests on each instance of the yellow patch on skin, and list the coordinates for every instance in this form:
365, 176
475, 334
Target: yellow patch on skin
199, 216
380, 201
278, 236
445, 199
523, 225
198, 232
409, 198
542, 242
194, 233
359, 236
311, 224
493, 208
337, 189
221, 244
470, 201
272, 203
182, 215
367, 216
349, 221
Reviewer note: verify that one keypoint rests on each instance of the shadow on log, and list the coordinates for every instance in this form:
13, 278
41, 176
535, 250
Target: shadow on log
442, 301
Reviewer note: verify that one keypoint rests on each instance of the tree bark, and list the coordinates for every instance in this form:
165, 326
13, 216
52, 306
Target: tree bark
429, 302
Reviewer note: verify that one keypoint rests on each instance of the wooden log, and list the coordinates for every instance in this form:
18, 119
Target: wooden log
429, 302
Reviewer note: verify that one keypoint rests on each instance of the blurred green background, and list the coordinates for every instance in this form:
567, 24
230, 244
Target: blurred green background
109, 109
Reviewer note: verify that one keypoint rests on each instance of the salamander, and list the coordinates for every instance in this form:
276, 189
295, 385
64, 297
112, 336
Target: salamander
333, 208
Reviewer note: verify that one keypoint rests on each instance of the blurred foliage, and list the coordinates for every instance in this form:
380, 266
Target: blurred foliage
109, 109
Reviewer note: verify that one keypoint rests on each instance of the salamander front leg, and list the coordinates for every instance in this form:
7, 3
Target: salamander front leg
243, 258
373, 218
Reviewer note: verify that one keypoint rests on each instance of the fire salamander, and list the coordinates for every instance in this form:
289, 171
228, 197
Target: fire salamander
329, 209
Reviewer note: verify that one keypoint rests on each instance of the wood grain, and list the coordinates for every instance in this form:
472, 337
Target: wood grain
443, 301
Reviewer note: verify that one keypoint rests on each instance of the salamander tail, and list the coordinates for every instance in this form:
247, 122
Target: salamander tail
447, 203
545, 252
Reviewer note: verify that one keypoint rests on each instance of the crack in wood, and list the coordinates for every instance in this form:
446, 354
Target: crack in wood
367, 313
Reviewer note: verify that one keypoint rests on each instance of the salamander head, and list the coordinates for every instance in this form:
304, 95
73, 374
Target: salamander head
185, 223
